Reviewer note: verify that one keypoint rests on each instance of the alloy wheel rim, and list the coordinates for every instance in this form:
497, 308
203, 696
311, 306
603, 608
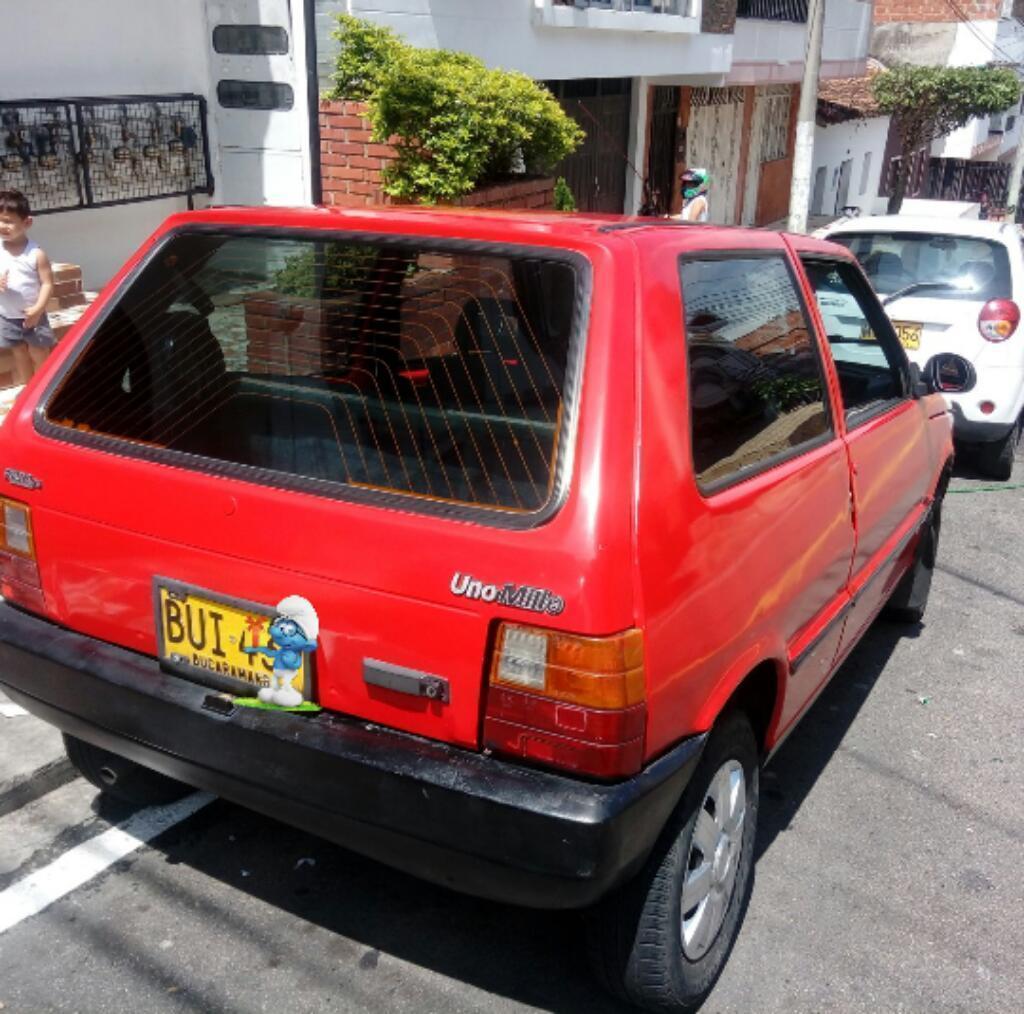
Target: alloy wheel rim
714, 857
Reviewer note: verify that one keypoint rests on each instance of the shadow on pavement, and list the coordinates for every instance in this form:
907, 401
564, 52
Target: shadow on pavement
532, 957
793, 771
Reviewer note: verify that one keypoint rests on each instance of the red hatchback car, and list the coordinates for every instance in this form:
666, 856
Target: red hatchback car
504, 549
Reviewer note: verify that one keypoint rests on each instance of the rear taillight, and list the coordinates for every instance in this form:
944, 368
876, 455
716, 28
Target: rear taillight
998, 319
19, 575
576, 703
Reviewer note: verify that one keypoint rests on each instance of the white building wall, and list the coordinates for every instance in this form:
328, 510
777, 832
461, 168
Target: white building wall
855, 140
767, 52
518, 35
68, 48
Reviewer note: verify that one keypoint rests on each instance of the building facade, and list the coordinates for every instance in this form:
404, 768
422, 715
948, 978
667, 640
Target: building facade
187, 103
656, 84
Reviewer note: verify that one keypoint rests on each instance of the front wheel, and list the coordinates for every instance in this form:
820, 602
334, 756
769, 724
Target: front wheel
908, 602
662, 940
996, 460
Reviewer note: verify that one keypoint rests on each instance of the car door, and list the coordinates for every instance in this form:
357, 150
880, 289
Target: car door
745, 540
886, 434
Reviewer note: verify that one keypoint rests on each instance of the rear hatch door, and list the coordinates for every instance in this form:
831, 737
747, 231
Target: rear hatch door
384, 429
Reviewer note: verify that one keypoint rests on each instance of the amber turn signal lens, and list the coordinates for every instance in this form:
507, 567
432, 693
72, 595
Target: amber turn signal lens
595, 672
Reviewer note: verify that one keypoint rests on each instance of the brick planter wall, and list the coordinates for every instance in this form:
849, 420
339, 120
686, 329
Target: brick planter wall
351, 166
285, 334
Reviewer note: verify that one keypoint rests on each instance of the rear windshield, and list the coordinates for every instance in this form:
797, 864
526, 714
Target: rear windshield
979, 268
438, 373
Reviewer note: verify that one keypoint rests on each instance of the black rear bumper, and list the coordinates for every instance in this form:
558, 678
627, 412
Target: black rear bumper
458, 818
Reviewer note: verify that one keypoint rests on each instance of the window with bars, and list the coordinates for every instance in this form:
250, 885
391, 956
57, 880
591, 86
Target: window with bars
434, 373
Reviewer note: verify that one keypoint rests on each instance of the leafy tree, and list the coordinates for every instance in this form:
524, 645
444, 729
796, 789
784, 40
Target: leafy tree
453, 121
929, 102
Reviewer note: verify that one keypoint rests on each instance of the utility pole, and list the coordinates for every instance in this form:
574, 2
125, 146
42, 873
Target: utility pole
803, 155
1013, 197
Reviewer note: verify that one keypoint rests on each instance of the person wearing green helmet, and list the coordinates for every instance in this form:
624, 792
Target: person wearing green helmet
694, 185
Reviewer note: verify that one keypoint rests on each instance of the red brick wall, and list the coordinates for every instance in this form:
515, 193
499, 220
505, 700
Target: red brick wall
351, 166
350, 163
935, 10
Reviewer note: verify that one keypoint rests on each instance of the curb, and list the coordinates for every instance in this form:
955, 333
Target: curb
28, 788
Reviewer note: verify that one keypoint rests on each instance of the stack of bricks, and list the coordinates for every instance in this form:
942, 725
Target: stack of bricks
352, 166
68, 302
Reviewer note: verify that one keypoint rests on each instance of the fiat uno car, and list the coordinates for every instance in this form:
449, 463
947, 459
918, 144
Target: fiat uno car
504, 549
954, 287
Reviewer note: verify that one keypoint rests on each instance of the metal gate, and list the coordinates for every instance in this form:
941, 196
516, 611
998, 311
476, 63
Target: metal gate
596, 171
713, 142
956, 179
90, 153
661, 157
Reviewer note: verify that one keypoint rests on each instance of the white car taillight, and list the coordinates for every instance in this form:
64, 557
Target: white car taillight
19, 574
998, 319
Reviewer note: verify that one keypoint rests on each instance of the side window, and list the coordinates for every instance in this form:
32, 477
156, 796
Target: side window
756, 392
868, 360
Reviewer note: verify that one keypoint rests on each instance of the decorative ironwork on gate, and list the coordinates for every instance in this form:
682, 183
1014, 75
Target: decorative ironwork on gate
90, 153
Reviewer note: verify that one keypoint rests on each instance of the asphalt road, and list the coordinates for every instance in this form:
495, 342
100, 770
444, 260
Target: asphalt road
888, 876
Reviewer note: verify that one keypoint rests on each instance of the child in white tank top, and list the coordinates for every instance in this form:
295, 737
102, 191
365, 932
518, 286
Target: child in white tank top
26, 284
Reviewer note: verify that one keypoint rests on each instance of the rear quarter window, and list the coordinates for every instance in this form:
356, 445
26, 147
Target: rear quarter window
390, 368
755, 376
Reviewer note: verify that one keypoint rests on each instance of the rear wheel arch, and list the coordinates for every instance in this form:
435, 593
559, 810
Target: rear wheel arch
757, 693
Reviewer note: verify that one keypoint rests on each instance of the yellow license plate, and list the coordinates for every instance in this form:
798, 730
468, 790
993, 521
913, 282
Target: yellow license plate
908, 334
203, 635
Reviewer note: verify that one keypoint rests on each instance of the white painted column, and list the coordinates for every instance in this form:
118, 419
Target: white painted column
637, 147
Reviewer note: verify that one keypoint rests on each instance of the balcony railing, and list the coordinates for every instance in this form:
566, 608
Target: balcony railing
679, 7
773, 10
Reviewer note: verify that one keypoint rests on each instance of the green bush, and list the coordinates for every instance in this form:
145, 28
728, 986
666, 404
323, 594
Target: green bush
564, 199
365, 54
339, 267
454, 122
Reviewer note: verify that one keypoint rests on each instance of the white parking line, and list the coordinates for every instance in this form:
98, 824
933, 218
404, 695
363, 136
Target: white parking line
12, 710
79, 865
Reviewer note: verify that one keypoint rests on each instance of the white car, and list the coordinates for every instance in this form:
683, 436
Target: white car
955, 286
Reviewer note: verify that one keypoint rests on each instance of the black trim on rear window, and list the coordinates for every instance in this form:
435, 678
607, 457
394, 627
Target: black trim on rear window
477, 370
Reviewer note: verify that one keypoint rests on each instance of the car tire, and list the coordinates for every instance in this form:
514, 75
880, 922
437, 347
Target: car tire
645, 947
995, 460
909, 600
122, 779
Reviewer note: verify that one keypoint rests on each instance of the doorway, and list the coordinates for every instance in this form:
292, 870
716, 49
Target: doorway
596, 171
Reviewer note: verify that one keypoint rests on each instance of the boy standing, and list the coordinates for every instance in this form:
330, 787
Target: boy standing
26, 284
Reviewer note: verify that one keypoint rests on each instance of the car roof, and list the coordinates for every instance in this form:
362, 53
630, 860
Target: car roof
528, 227
928, 224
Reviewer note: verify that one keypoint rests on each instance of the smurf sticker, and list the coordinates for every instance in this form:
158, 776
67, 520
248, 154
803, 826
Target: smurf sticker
293, 631
262, 654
